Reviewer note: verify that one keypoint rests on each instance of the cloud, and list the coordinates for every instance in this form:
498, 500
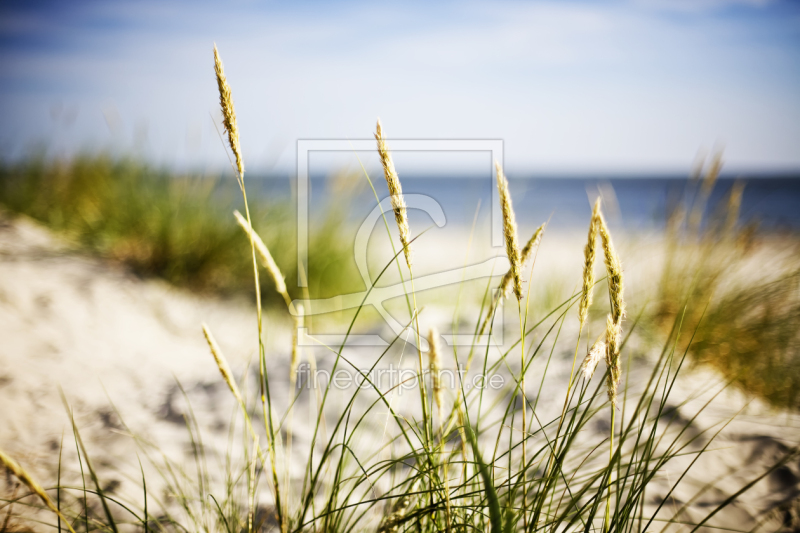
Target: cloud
568, 85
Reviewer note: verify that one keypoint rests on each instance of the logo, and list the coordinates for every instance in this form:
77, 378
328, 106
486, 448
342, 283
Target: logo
375, 296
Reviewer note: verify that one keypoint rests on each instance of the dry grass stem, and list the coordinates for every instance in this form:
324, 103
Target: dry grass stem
266, 258
37, 489
589, 254
490, 311
396, 191
712, 173
509, 231
228, 113
252, 489
734, 206
709, 180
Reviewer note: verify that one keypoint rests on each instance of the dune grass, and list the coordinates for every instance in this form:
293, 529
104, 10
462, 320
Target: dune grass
749, 330
176, 227
459, 458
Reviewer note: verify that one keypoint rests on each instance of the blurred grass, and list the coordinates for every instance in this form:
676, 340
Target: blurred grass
180, 228
741, 292
176, 227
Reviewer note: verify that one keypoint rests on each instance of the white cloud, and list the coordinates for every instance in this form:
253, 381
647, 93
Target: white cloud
570, 86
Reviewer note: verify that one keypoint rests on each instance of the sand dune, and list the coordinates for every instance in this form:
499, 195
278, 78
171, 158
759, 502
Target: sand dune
112, 341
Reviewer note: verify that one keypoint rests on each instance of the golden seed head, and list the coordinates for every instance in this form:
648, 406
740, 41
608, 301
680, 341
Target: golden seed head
531, 245
435, 358
614, 322
492, 305
228, 113
222, 364
508, 278
589, 254
396, 192
524, 256
614, 272
596, 353
509, 231
266, 258
613, 341
31, 483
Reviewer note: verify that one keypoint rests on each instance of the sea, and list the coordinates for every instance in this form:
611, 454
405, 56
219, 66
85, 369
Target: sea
769, 203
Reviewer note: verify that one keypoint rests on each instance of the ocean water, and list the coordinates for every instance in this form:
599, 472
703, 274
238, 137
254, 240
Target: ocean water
639, 204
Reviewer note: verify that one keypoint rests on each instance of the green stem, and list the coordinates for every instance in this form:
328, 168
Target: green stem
566, 400
423, 392
524, 435
610, 459
266, 402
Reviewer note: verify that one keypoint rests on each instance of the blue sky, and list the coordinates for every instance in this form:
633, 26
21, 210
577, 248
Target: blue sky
636, 86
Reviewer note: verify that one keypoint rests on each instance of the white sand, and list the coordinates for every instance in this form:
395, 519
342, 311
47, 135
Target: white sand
104, 336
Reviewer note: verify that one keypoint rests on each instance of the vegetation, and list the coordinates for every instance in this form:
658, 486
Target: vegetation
176, 227
462, 458
747, 321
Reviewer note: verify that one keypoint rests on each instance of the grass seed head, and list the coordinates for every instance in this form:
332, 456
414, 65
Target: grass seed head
31, 483
436, 368
508, 278
596, 353
222, 364
228, 114
393, 182
524, 256
492, 306
589, 255
614, 272
613, 341
509, 231
531, 245
614, 322
266, 258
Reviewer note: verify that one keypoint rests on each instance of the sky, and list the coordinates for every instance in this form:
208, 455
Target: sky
608, 86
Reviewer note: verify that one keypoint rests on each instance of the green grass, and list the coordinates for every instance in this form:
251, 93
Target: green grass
751, 285
485, 477
464, 472
461, 473
176, 227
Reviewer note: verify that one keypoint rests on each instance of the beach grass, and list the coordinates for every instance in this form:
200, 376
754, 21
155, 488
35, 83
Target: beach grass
747, 327
177, 227
457, 457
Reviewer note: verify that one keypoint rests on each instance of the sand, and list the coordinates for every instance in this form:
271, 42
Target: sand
124, 350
